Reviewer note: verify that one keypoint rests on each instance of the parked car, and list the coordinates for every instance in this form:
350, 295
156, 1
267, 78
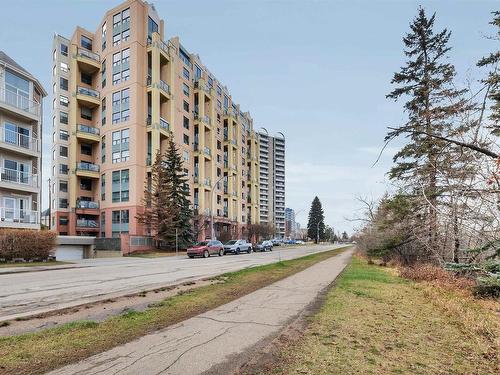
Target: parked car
277, 241
237, 246
264, 246
300, 242
206, 248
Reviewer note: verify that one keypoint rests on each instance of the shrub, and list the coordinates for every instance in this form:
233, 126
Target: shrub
431, 273
487, 287
27, 244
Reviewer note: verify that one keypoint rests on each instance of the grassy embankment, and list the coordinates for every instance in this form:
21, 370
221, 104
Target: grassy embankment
375, 322
33, 264
52, 348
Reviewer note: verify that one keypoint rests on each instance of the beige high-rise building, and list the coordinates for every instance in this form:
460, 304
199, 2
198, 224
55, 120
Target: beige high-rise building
21, 98
120, 93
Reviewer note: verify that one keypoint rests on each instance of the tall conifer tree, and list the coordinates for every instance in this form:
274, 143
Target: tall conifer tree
316, 223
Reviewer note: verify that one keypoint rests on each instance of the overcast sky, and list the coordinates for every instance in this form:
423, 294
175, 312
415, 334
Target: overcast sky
318, 71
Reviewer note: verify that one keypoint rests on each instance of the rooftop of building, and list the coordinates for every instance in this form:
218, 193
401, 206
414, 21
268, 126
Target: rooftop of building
13, 65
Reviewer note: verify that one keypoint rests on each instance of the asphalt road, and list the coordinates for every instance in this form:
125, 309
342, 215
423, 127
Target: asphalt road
28, 293
220, 340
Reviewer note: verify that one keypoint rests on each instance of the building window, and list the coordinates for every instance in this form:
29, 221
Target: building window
103, 187
63, 100
103, 36
63, 168
120, 186
186, 122
103, 111
185, 73
64, 49
121, 71
103, 224
86, 113
120, 146
86, 78
63, 186
103, 74
219, 90
63, 151
63, 135
63, 203
226, 102
123, 32
120, 221
64, 67
152, 28
103, 149
63, 83
121, 102
86, 149
86, 42
186, 106
86, 184
186, 139
185, 156
185, 89
63, 117
197, 72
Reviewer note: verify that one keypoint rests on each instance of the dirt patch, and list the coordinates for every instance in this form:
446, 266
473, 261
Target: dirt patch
99, 311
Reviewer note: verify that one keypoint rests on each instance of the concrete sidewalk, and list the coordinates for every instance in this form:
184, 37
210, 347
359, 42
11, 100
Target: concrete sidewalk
217, 337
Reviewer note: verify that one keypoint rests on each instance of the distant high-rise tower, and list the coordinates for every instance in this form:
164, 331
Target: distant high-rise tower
272, 182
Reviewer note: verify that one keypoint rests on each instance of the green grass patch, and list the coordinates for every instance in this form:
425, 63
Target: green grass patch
374, 322
33, 264
52, 348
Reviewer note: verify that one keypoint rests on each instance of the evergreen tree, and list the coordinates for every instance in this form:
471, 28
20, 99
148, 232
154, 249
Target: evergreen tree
166, 200
433, 103
316, 224
492, 81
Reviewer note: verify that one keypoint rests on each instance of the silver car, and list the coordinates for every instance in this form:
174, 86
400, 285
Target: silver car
237, 246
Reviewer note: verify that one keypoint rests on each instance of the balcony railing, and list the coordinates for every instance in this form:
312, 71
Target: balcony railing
164, 124
88, 92
19, 101
87, 204
88, 129
17, 139
84, 166
164, 47
88, 54
208, 181
19, 216
201, 86
18, 177
164, 86
207, 151
87, 223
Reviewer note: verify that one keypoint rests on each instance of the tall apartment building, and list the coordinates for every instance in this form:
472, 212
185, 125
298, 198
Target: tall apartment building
272, 181
21, 98
120, 93
290, 224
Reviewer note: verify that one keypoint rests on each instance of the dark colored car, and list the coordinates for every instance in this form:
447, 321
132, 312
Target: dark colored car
264, 246
206, 248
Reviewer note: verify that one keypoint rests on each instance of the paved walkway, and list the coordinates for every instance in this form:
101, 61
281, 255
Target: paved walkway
218, 336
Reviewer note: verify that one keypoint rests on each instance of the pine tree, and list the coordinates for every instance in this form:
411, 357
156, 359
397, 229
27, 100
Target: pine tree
167, 207
433, 103
492, 81
316, 224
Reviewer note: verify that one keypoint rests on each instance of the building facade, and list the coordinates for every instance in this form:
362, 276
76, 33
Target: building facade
290, 224
21, 98
121, 93
272, 181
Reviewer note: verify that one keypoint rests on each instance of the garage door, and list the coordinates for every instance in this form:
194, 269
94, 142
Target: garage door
69, 252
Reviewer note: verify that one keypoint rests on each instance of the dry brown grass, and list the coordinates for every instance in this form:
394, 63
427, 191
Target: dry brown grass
436, 275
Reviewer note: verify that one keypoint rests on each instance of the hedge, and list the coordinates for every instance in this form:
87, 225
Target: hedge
27, 244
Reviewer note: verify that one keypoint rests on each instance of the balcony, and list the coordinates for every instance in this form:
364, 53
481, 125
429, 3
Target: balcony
200, 86
231, 113
164, 125
87, 225
203, 119
88, 133
207, 182
87, 207
84, 169
19, 105
88, 97
14, 218
164, 47
18, 180
87, 60
231, 142
17, 142
164, 88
